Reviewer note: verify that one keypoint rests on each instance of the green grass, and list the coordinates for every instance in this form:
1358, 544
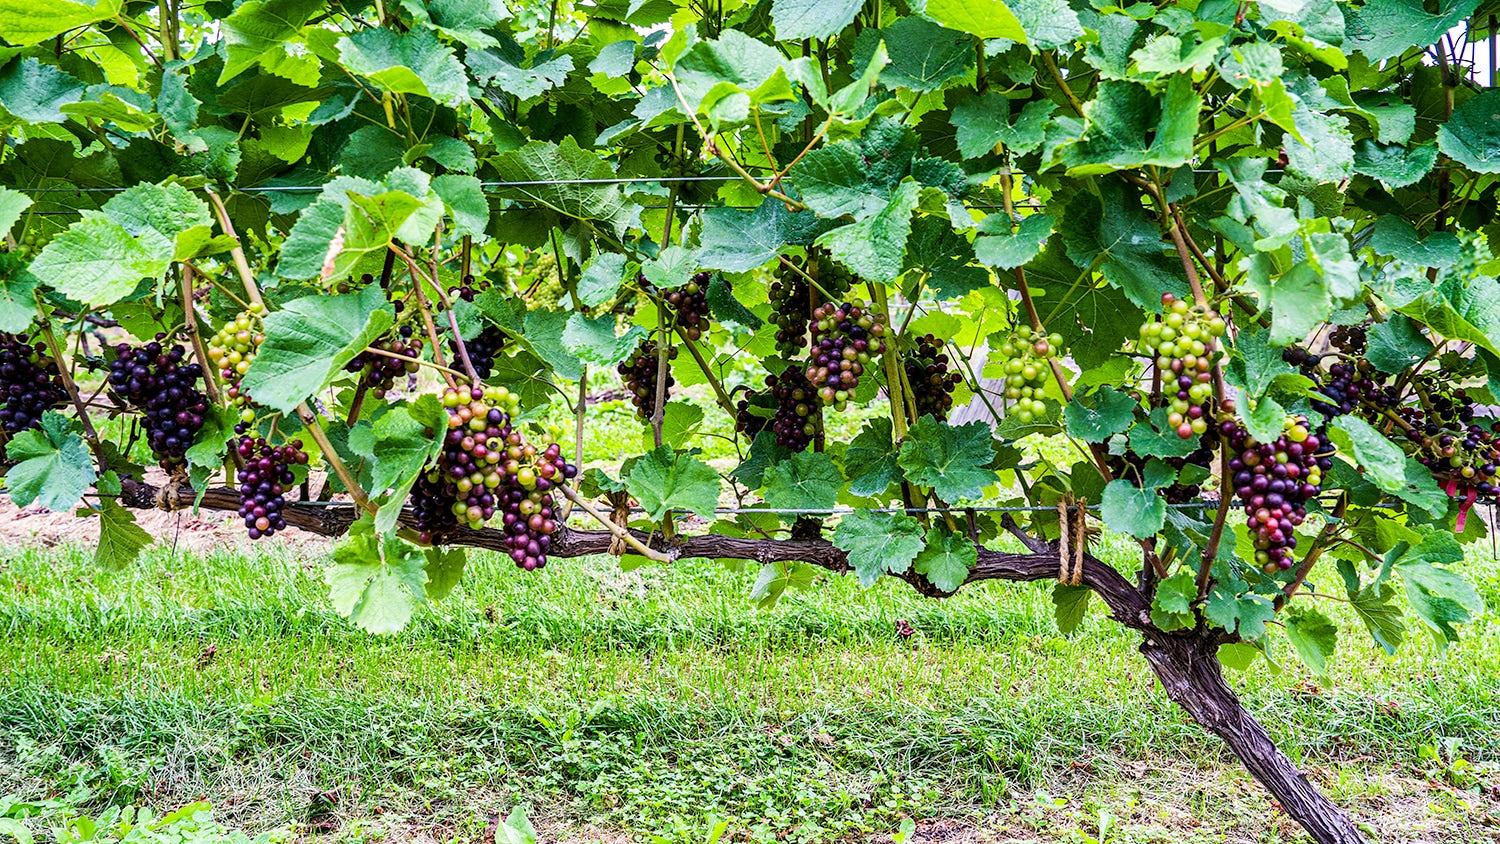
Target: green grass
628, 705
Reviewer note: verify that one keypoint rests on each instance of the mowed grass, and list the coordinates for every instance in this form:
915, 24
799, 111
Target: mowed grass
649, 705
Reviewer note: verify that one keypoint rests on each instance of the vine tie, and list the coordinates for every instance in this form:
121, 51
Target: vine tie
169, 497
621, 517
1073, 540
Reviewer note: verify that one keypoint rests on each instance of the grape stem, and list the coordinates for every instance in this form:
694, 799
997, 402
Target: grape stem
583, 401
713, 380
237, 251
432, 335
210, 373
55, 349
658, 408
310, 422
624, 535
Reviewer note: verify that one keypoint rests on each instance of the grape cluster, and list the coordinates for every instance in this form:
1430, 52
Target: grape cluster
266, 476
29, 383
639, 372
1346, 383
1133, 466
485, 467
790, 310
797, 418
483, 349
1183, 342
232, 349
690, 304
844, 339
154, 379
1352, 340
379, 372
432, 499
1027, 356
932, 384
1274, 481
834, 278
465, 289
1462, 454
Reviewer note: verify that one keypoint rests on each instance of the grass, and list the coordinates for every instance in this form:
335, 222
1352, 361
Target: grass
648, 705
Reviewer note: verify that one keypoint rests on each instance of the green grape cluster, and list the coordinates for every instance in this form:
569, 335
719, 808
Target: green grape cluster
1027, 355
231, 351
1183, 343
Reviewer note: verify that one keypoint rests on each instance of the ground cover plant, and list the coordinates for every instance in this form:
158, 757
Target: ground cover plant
346, 258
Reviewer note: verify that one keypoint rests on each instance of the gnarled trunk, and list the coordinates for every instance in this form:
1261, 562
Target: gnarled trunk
1188, 668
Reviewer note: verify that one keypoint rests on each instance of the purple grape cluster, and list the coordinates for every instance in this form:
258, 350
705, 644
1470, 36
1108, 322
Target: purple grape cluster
29, 383
483, 349
154, 379
690, 305
845, 338
1462, 455
798, 420
639, 372
1274, 481
379, 372
932, 385
264, 480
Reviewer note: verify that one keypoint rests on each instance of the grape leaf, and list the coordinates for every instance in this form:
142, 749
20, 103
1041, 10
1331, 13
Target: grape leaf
1156, 439
36, 92
1097, 416
445, 570
1070, 605
870, 460
27, 22
547, 174
1396, 344
1472, 135
309, 340
726, 308
1237, 612
98, 262
406, 438
510, 72
1375, 607
806, 480
594, 340
376, 582
947, 558
1395, 165
984, 18
874, 248
924, 56
878, 543
952, 460
260, 27
1121, 117
664, 480
985, 120
737, 241
1001, 248
1127, 508
1112, 230
1386, 465
1440, 597
1385, 29
12, 204
1313, 637
52, 466
799, 19
413, 62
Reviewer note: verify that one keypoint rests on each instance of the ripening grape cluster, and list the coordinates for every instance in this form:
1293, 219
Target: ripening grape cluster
1026, 357
690, 305
379, 372
465, 289
1346, 383
797, 418
845, 338
1274, 481
639, 374
487, 467
29, 383
264, 480
154, 379
932, 384
790, 310
1183, 343
232, 349
483, 349
1462, 454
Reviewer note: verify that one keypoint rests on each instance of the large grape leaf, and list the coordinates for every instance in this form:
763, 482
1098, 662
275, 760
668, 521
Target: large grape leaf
406, 437
808, 480
1004, 249
27, 22
97, 262
855, 178
952, 460
1440, 597
1394, 166
1386, 466
376, 582
260, 27
512, 73
737, 241
547, 174
724, 77
878, 543
1313, 637
1130, 126
984, 18
875, 248
1384, 29
870, 460
945, 257
947, 558
52, 465
664, 480
1113, 231
413, 62
309, 340
1097, 416
985, 120
36, 92
799, 19
924, 56
1472, 135
595, 341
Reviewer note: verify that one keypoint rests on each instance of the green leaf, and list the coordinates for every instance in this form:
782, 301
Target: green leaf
663, 480
1070, 605
549, 167
1245, 614
121, 540
1396, 344
1255, 365
406, 63
601, 279
878, 543
376, 582
984, 18
1325, 152
952, 460
407, 437
1127, 508
1122, 116
464, 198
776, 578
594, 340
799, 19
1156, 439
1375, 607
52, 465
1395, 165
1113, 230
525, 80
36, 92
738, 241
806, 480
724, 307
983, 121
1314, 637
27, 22
12, 205
463, 20
870, 460
1097, 416
1049, 24
1472, 135
1172, 608
944, 257
1385, 29
445, 570
679, 423
1394, 236
724, 77
258, 29
874, 248
309, 341
1440, 597
924, 56
306, 247
1386, 465
998, 247
855, 179
947, 558
97, 262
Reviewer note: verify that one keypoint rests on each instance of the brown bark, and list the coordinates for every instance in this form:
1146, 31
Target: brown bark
1186, 665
